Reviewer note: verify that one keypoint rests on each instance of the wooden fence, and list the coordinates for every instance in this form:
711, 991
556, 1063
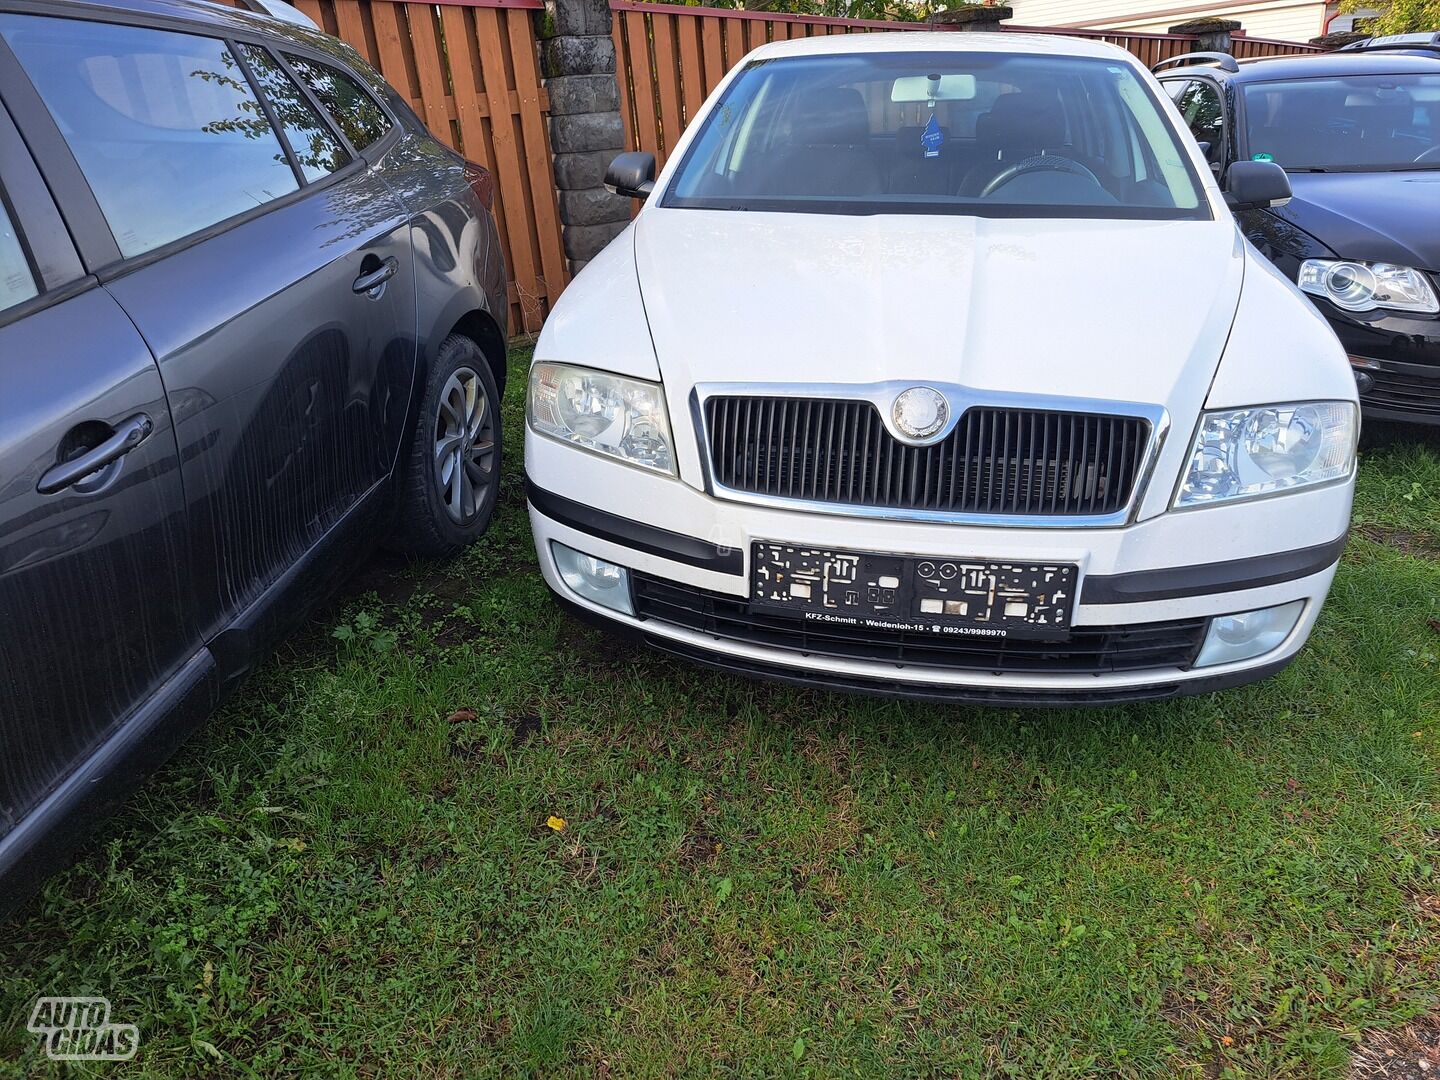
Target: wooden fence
470, 70
669, 57
1245, 47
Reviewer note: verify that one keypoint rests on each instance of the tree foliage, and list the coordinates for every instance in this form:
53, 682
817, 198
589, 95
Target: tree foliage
1397, 16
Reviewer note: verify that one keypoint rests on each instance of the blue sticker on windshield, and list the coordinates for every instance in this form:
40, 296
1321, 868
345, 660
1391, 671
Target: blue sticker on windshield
932, 137
1262, 157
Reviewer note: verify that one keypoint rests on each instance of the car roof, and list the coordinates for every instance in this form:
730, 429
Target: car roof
943, 41
217, 16
1313, 65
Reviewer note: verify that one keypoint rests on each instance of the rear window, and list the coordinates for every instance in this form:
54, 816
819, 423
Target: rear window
317, 151
949, 132
354, 111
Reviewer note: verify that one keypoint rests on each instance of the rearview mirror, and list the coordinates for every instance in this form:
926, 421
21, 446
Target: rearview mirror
1254, 185
917, 88
632, 175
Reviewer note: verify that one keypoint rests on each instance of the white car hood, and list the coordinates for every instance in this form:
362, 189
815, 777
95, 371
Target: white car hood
1134, 311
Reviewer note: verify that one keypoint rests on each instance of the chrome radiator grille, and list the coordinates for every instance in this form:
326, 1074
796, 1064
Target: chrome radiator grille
995, 461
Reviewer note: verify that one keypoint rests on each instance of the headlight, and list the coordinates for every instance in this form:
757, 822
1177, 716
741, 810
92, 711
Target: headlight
1246, 453
624, 418
1358, 286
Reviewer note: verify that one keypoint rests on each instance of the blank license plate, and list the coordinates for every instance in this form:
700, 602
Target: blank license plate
963, 597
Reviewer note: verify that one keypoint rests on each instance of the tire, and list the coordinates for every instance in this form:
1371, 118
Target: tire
439, 512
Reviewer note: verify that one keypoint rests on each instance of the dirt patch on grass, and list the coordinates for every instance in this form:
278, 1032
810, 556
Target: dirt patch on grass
1421, 545
1412, 1053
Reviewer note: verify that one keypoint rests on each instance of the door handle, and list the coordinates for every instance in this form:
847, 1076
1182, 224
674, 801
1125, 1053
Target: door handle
130, 434
369, 283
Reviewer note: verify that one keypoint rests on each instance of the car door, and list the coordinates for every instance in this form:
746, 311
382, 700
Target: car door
95, 630
271, 275
1203, 109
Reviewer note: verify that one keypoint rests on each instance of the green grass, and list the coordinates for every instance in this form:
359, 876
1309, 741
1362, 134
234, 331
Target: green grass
335, 879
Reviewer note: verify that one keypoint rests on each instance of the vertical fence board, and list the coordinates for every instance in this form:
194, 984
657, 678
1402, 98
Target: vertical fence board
711, 49
386, 21
431, 76
667, 81
735, 46
691, 75
622, 78
537, 154
642, 70
510, 202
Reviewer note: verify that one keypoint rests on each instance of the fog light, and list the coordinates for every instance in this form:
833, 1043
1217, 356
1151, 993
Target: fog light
1248, 634
598, 581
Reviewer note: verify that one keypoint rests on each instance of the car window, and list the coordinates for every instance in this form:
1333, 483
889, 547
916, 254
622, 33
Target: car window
164, 125
353, 110
1174, 87
315, 146
945, 132
1204, 115
1351, 123
17, 281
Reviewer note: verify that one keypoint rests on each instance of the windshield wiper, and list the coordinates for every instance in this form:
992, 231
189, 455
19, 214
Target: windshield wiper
1304, 168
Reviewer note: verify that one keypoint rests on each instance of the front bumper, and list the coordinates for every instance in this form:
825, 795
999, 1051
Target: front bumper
1170, 570
1396, 358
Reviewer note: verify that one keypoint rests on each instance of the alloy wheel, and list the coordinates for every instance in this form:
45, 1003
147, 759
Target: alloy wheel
464, 451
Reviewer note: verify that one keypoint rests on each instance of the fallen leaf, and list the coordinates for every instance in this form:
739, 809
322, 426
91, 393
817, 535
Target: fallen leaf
461, 716
1435, 625
556, 823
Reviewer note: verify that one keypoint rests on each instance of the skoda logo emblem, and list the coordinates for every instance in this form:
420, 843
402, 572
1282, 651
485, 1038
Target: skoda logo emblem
920, 412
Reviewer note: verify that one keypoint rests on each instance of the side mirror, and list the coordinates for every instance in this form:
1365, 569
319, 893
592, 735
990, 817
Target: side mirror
1254, 185
631, 174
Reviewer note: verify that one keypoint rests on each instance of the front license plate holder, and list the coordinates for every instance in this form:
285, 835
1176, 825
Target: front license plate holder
964, 597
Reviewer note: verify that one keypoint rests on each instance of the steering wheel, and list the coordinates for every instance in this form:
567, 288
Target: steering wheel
1433, 154
1039, 163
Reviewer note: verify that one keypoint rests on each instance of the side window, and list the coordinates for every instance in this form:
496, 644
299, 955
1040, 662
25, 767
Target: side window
164, 125
17, 282
315, 146
351, 107
1175, 87
1204, 115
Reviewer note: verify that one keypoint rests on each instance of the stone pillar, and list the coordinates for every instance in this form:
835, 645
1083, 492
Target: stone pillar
971, 17
1211, 35
586, 131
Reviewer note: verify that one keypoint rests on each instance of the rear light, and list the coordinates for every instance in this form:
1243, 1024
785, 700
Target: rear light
482, 182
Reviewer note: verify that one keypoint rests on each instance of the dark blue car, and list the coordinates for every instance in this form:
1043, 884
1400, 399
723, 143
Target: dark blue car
1359, 135
252, 317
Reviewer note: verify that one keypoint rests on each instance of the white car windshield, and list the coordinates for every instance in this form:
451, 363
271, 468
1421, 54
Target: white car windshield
1352, 123
968, 133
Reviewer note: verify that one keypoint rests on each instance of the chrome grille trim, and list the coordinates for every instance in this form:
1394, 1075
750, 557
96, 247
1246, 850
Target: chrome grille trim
868, 489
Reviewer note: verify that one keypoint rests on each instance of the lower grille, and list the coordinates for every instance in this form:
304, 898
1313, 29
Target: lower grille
995, 461
1092, 650
1401, 390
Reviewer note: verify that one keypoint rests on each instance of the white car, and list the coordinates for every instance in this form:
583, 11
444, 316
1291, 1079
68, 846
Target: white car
934, 365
